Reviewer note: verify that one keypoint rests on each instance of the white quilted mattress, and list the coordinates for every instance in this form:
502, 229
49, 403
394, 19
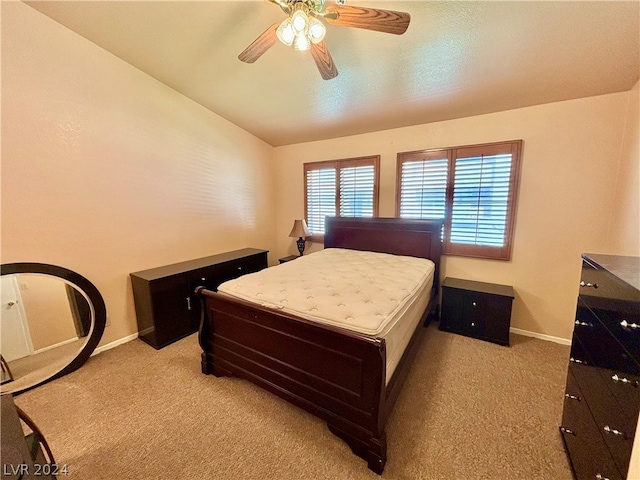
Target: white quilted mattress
376, 294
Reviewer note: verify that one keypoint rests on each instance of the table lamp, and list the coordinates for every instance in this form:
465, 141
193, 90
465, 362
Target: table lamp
300, 230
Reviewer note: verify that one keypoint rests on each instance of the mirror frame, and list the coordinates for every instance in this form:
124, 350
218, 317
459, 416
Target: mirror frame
94, 296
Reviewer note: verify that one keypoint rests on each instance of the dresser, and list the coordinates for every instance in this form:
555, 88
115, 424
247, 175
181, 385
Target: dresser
167, 308
602, 395
476, 309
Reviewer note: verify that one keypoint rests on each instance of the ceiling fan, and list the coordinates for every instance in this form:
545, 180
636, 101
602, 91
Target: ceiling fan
303, 29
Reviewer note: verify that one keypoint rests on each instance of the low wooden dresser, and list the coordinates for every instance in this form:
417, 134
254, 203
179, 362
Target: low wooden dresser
167, 308
602, 396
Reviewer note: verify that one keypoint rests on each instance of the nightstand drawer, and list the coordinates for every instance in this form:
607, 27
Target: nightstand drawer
476, 309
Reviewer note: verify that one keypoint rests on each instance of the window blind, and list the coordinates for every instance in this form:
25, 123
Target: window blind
321, 197
423, 189
480, 200
472, 188
356, 191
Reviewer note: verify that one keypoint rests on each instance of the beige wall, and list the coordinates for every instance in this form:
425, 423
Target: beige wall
570, 161
106, 171
624, 229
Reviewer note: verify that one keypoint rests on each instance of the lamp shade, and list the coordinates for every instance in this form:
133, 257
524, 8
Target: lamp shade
300, 229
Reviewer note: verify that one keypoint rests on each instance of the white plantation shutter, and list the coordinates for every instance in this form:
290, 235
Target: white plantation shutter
480, 200
356, 191
474, 189
348, 188
423, 188
321, 197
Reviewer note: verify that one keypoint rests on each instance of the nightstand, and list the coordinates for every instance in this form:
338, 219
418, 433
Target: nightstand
288, 259
477, 309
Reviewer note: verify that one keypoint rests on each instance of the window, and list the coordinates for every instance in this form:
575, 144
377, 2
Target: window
473, 189
348, 188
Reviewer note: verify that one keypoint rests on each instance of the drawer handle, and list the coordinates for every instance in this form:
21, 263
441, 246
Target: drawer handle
566, 430
572, 397
613, 431
588, 284
474, 304
188, 303
600, 477
624, 380
584, 324
239, 268
632, 326
575, 360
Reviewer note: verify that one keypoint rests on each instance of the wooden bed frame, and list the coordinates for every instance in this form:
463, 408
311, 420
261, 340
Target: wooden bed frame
337, 375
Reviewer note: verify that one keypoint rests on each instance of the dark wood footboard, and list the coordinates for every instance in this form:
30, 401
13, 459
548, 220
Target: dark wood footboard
335, 375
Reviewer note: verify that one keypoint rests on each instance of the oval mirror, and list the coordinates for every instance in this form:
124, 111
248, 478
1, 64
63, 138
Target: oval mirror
51, 321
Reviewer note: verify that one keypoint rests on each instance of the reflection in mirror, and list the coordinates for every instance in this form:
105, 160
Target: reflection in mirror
45, 323
51, 320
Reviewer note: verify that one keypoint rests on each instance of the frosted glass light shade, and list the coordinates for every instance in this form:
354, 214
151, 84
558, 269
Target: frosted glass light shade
316, 30
285, 32
301, 42
299, 21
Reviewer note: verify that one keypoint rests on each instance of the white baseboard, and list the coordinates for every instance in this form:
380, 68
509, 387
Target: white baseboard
111, 345
517, 331
541, 336
50, 347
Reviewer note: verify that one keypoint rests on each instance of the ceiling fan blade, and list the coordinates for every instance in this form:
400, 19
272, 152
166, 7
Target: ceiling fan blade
386, 21
324, 62
260, 45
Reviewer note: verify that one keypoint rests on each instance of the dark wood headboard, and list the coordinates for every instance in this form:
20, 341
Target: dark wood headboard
415, 238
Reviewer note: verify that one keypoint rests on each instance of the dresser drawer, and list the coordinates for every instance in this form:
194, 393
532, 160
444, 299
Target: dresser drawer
616, 428
588, 453
615, 302
615, 366
622, 319
604, 349
211, 277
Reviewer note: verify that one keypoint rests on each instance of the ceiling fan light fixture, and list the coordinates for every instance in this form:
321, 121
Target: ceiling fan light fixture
305, 31
285, 32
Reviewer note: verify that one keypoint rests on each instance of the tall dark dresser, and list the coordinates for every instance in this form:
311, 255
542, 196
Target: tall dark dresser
602, 396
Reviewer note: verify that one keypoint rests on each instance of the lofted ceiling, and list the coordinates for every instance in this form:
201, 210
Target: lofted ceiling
457, 59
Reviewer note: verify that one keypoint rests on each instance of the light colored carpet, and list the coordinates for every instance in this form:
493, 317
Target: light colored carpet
468, 410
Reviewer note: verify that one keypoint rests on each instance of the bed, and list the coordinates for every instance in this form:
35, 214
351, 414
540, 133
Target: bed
349, 378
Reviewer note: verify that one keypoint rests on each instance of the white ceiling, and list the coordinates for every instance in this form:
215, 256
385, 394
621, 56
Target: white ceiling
457, 59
